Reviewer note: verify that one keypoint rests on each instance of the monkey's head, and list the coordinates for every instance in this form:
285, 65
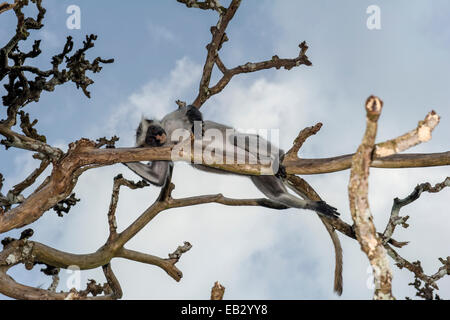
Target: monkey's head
150, 134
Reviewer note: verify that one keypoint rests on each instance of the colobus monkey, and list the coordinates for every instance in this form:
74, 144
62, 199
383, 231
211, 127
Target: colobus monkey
152, 133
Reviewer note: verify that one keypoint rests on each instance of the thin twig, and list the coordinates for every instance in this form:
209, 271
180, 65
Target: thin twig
400, 203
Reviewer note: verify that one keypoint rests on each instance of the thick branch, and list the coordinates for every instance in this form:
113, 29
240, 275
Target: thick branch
84, 155
21, 251
340, 163
359, 206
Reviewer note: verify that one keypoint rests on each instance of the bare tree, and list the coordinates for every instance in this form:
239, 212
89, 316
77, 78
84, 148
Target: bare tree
24, 84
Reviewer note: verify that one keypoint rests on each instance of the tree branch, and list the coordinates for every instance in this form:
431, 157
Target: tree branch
359, 205
20, 90
218, 38
30, 252
384, 155
417, 270
21, 251
119, 181
14, 139
415, 267
395, 219
19, 188
421, 134
301, 138
168, 265
5, 6
340, 163
205, 5
83, 155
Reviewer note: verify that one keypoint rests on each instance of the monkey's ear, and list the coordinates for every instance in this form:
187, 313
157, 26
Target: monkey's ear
145, 120
139, 130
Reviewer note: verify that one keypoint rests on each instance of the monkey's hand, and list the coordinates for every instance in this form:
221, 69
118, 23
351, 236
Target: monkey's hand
326, 210
281, 172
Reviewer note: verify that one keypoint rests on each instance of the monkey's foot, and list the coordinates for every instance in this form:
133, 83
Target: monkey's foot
326, 210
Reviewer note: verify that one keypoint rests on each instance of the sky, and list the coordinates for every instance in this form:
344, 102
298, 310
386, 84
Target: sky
256, 253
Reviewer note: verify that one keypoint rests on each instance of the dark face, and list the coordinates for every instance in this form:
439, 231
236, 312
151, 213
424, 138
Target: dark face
155, 136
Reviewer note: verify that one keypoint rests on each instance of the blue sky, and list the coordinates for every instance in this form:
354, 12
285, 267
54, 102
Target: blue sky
159, 49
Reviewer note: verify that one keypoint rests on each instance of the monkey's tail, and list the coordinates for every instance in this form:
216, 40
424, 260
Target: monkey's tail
338, 256
301, 187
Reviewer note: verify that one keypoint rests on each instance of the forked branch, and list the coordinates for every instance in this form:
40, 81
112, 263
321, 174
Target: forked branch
384, 155
219, 37
415, 267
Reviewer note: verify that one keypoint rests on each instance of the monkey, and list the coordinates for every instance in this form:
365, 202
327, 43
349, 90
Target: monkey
154, 133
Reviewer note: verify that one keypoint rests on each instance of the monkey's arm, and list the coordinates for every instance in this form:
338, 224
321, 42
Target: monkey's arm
154, 172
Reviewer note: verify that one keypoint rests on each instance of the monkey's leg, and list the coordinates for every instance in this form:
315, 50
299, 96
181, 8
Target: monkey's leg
274, 188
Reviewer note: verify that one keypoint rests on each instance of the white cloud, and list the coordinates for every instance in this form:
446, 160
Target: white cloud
254, 252
160, 33
153, 100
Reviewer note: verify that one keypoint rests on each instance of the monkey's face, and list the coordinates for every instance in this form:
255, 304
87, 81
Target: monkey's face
155, 137
150, 134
